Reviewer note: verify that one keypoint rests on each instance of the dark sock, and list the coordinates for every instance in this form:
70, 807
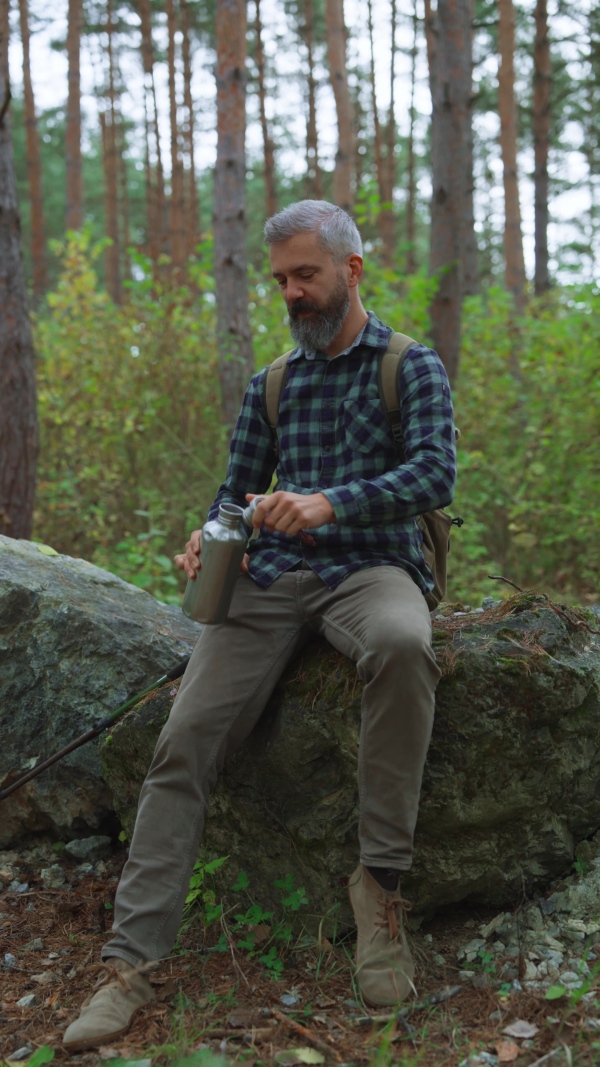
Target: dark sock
388, 879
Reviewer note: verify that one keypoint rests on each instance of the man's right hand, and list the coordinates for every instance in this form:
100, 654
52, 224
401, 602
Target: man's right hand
189, 561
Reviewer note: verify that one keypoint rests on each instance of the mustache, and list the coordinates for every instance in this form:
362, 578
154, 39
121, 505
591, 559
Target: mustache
300, 306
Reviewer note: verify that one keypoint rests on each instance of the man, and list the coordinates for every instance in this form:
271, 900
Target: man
338, 555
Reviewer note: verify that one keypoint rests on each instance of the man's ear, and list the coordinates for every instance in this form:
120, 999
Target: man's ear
355, 265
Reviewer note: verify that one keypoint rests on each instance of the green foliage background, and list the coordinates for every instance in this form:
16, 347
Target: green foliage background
132, 450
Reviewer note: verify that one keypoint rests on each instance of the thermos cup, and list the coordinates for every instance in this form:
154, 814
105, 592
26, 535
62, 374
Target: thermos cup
208, 596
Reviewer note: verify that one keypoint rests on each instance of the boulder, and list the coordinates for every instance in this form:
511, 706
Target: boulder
75, 642
511, 783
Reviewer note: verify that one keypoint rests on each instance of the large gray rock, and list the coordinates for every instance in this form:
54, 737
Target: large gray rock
512, 779
75, 642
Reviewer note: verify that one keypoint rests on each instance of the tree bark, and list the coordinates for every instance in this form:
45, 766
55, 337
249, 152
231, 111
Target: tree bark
343, 193
470, 250
377, 149
190, 187
34, 168
268, 147
411, 257
387, 218
513, 239
314, 177
108, 120
177, 228
449, 54
74, 181
541, 141
18, 420
155, 183
236, 360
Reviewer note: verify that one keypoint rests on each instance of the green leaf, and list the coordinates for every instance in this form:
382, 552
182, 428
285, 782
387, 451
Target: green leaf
289, 1057
46, 550
555, 992
45, 1054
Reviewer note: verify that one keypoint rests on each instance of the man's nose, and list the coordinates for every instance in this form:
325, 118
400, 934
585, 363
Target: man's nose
293, 291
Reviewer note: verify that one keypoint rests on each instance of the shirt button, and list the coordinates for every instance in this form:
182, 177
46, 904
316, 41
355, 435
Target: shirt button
327, 448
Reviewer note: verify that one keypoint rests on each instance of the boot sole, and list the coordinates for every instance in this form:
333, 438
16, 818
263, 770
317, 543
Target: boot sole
105, 1039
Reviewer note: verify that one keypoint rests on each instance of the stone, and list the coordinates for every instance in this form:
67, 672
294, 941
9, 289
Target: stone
53, 877
18, 887
37, 945
520, 682
22, 1053
89, 849
28, 1001
76, 643
570, 978
83, 870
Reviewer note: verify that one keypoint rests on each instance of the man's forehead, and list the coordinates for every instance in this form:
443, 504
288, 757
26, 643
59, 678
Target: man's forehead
298, 252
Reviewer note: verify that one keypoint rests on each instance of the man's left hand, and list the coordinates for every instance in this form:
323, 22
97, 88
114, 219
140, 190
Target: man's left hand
291, 512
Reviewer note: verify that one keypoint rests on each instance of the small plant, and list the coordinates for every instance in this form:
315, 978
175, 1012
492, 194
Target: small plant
485, 962
580, 865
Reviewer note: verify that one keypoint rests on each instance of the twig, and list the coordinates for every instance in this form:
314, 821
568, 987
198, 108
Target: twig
501, 578
306, 1035
548, 1056
419, 1005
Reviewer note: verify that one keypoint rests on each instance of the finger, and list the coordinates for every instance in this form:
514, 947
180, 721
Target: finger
179, 560
244, 563
195, 542
264, 508
191, 571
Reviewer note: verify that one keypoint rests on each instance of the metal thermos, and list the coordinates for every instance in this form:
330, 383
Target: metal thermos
208, 596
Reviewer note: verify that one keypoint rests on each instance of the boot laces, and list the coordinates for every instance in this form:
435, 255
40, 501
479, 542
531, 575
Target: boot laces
393, 907
112, 976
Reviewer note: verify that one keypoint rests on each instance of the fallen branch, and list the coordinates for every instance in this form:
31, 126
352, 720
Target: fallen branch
306, 1035
419, 1005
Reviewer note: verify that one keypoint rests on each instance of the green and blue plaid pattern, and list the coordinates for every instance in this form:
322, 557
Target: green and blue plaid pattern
333, 437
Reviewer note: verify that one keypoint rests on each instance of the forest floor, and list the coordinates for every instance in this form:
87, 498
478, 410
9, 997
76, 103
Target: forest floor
220, 1008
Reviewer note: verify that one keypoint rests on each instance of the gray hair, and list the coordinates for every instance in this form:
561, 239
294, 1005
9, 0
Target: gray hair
336, 230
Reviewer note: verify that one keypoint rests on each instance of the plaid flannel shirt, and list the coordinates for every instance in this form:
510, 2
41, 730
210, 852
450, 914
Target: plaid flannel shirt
334, 438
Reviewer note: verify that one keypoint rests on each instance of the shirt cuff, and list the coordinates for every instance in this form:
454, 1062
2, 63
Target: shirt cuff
345, 501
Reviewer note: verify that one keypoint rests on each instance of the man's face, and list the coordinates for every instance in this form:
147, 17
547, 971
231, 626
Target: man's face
314, 288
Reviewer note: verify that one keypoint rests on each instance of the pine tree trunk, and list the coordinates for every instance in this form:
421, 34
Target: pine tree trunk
190, 187
155, 188
124, 198
541, 141
18, 421
34, 168
449, 54
74, 181
387, 218
108, 120
268, 148
377, 148
343, 193
176, 214
411, 256
233, 328
314, 177
470, 251
513, 239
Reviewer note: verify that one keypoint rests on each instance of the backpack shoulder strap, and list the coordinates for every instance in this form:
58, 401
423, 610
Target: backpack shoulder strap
387, 380
273, 387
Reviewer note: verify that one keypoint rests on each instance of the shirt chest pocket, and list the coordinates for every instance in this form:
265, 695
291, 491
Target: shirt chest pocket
365, 427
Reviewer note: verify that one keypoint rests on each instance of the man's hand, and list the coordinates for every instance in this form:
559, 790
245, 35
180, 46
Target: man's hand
189, 561
291, 512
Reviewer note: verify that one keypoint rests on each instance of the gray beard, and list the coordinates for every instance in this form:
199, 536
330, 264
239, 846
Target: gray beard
315, 335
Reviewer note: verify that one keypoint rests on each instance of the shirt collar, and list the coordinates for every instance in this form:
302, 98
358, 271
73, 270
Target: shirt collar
374, 334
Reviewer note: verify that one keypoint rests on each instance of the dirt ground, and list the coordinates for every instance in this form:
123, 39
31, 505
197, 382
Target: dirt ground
224, 1002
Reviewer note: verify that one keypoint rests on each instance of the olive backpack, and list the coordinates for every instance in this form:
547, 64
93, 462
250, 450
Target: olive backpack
434, 525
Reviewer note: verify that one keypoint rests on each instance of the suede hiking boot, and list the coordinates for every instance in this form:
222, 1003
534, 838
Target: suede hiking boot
109, 1012
384, 965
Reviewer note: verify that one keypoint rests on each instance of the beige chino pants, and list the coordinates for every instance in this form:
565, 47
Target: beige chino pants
378, 618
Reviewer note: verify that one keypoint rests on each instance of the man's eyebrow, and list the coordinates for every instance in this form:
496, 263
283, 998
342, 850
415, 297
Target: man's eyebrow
294, 270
